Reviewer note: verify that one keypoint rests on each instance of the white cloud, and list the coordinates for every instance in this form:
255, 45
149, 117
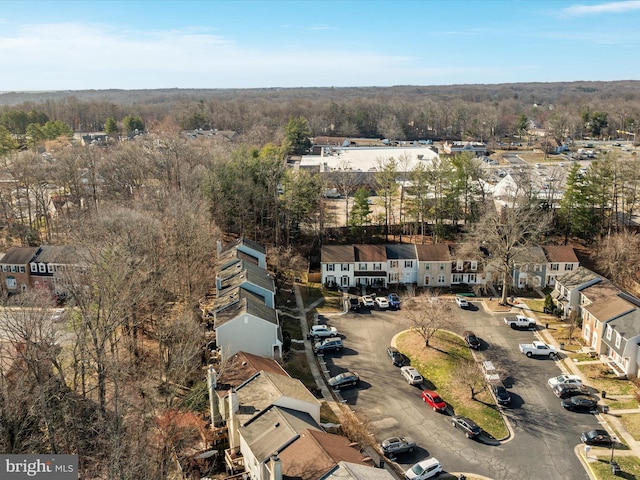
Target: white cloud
609, 7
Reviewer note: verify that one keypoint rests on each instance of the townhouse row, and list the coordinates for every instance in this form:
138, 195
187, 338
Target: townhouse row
437, 265
274, 429
610, 317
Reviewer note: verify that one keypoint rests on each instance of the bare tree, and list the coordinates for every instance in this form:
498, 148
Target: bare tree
469, 376
427, 314
507, 236
618, 256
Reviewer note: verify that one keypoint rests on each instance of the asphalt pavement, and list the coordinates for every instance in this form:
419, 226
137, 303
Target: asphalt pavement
544, 435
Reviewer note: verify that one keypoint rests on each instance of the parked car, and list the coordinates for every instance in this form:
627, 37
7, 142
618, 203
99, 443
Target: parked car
468, 426
565, 379
398, 359
323, 331
501, 393
462, 302
382, 303
354, 304
570, 390
366, 301
411, 375
424, 469
434, 400
581, 403
342, 380
596, 437
396, 445
394, 301
58, 315
490, 372
472, 340
331, 343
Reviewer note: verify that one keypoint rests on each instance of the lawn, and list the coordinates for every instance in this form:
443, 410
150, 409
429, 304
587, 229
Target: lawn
632, 423
296, 366
609, 383
629, 465
438, 367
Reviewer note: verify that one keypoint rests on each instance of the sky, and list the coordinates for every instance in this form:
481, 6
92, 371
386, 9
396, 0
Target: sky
77, 45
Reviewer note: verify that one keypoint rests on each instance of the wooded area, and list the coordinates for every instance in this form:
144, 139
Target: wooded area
145, 215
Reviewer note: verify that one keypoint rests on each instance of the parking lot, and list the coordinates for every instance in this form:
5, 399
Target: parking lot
544, 434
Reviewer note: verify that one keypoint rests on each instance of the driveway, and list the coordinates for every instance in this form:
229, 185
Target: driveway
544, 434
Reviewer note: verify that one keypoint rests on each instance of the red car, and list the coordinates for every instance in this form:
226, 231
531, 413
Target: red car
434, 400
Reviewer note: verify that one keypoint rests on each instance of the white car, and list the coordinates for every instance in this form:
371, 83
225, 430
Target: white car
565, 379
423, 470
462, 302
366, 301
58, 315
412, 375
323, 331
382, 303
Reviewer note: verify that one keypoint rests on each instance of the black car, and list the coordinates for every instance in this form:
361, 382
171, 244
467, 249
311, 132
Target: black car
501, 393
346, 379
354, 304
468, 426
596, 437
581, 403
472, 340
398, 359
570, 390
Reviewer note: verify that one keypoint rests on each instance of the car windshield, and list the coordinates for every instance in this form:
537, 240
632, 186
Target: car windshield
417, 469
437, 399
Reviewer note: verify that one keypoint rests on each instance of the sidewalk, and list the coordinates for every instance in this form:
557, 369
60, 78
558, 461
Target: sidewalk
610, 421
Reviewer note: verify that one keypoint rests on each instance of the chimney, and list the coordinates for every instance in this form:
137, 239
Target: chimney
233, 426
275, 468
214, 408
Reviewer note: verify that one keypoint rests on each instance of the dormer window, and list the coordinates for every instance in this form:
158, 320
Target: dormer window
474, 265
459, 265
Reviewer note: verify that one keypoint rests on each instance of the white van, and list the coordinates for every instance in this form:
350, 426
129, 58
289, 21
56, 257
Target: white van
490, 372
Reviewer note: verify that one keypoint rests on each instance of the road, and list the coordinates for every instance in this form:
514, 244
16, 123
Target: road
544, 434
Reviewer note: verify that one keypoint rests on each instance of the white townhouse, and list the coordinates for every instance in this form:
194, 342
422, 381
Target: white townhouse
370, 265
338, 266
561, 259
402, 263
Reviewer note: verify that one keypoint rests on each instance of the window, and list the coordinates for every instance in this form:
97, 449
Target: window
555, 267
472, 278
618, 339
537, 268
456, 278
42, 268
331, 279
440, 279
609, 329
459, 265
345, 267
14, 269
377, 266
408, 264
394, 277
33, 267
50, 268
4, 268
362, 266
442, 266
426, 267
393, 264
22, 269
474, 265
568, 266
330, 267
11, 282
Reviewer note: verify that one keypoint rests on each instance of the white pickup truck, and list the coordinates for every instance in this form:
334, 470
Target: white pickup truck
538, 349
520, 321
